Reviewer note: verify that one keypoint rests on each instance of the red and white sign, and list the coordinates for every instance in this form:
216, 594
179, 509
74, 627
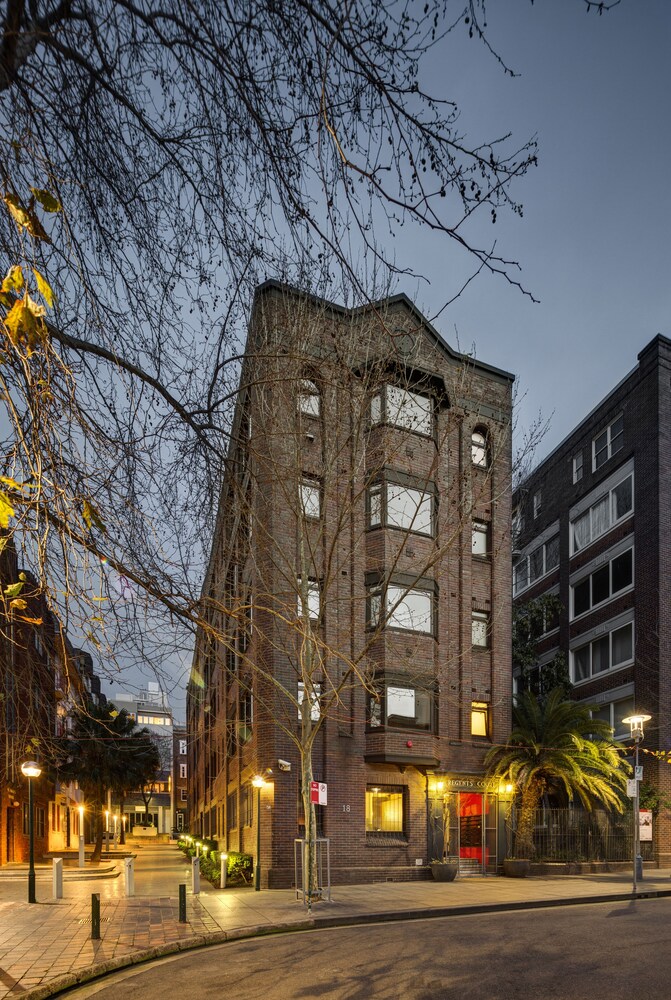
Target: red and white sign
318, 793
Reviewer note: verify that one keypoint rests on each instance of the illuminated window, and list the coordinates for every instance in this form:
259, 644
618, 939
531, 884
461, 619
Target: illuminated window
479, 718
385, 809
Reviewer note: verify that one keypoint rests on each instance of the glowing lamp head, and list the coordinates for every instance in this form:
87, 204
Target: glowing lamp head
30, 769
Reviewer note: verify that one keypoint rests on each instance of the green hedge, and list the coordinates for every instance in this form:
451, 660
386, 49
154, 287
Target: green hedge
239, 866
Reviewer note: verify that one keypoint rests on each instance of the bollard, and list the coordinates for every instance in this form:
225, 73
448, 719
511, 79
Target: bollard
639, 867
82, 852
129, 876
195, 876
182, 902
57, 878
95, 916
223, 860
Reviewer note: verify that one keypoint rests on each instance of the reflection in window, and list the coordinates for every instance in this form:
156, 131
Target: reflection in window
479, 449
480, 629
402, 707
384, 808
308, 398
406, 609
480, 540
314, 704
309, 599
310, 497
398, 506
402, 408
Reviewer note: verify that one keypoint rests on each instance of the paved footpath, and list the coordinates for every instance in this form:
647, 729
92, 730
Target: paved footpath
46, 947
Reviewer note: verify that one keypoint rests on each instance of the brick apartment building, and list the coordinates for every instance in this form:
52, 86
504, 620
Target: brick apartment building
592, 527
180, 780
359, 594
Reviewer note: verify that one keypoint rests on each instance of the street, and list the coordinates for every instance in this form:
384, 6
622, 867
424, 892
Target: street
606, 951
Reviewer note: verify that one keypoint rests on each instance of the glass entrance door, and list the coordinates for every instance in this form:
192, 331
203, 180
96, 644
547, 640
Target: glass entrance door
472, 818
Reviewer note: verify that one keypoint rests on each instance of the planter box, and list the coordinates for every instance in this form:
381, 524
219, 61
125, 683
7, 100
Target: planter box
516, 867
444, 871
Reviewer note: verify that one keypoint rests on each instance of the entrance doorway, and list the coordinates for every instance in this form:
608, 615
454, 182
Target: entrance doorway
471, 819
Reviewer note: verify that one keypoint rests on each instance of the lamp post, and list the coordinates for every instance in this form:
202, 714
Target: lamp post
635, 723
82, 847
31, 770
258, 784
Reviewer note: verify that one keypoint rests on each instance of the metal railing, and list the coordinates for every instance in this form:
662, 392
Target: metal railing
574, 835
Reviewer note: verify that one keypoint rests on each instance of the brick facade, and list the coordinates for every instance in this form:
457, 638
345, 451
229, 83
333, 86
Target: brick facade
628, 679
396, 735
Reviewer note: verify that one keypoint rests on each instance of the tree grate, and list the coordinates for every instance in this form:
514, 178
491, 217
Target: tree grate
89, 920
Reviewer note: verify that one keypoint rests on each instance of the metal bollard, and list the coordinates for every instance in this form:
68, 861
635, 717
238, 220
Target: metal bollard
82, 852
639, 867
195, 876
95, 916
129, 875
182, 902
223, 861
57, 878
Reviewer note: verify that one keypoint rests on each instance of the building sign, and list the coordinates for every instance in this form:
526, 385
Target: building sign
466, 784
645, 824
318, 793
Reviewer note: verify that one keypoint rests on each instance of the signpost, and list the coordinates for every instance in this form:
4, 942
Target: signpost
318, 793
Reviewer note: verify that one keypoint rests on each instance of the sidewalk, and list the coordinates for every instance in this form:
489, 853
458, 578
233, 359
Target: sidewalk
46, 947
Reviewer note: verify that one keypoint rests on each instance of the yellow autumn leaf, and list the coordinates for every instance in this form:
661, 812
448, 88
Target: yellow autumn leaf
6, 510
25, 322
44, 288
92, 517
46, 199
12, 483
24, 217
31, 621
18, 604
13, 280
13, 589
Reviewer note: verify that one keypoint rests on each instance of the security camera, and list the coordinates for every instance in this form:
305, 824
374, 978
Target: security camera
284, 765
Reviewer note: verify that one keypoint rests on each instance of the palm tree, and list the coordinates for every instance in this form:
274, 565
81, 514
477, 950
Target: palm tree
557, 748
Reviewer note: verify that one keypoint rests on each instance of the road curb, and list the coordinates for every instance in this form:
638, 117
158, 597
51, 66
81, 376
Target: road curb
99, 971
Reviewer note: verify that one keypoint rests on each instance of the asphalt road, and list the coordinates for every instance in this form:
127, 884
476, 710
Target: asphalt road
609, 951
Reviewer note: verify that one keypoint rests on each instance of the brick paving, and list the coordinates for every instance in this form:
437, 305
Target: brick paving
47, 945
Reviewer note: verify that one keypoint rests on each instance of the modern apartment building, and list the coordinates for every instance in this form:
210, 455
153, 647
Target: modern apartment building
359, 597
592, 527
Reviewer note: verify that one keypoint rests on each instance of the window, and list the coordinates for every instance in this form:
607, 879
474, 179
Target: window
613, 713
308, 398
247, 805
480, 629
316, 695
616, 504
154, 720
182, 770
402, 408
310, 498
246, 716
536, 564
607, 652
517, 525
232, 811
40, 826
401, 706
479, 450
182, 747
183, 795
401, 608
480, 539
385, 809
310, 594
607, 443
479, 718
604, 583
538, 503
396, 506
577, 467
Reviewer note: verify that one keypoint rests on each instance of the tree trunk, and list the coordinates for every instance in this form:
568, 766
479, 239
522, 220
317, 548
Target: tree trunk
524, 835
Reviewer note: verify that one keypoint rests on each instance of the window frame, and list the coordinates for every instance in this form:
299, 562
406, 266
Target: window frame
578, 467
537, 503
525, 561
481, 710
611, 668
315, 708
482, 530
313, 589
480, 456
397, 831
378, 506
612, 594
378, 598
381, 412
608, 446
308, 390
612, 520
378, 714
479, 619
312, 487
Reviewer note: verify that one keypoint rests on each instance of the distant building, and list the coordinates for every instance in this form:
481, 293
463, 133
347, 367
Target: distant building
151, 710
180, 783
593, 528
360, 578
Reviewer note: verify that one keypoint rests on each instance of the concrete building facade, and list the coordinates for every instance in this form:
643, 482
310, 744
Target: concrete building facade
359, 597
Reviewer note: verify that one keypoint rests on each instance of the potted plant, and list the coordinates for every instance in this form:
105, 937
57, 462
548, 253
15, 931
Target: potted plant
445, 869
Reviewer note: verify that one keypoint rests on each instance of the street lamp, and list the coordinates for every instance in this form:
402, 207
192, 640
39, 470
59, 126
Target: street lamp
635, 723
258, 784
31, 770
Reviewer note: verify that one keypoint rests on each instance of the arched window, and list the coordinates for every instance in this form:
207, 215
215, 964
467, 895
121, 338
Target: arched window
479, 448
309, 401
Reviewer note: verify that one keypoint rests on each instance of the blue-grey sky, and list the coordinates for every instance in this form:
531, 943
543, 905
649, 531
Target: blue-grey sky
593, 242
